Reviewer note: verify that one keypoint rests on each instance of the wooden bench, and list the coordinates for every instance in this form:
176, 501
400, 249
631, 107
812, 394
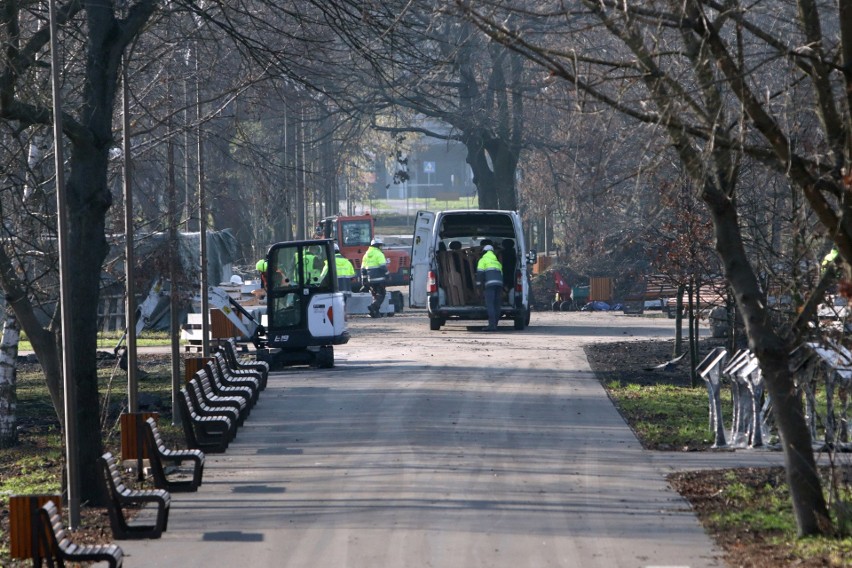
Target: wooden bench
228, 377
220, 376
229, 350
55, 547
213, 376
237, 374
158, 453
219, 397
120, 497
203, 407
205, 433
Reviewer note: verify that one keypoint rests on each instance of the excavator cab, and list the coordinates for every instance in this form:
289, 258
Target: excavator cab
305, 310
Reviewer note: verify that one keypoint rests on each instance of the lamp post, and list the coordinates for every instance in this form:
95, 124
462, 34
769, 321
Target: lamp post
130, 302
70, 388
202, 219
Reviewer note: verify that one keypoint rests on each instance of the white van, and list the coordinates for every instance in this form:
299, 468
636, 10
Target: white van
447, 246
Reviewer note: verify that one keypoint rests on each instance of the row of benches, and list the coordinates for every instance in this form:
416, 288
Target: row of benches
218, 399
213, 403
827, 365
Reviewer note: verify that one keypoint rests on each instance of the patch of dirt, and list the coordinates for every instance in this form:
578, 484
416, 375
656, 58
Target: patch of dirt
628, 362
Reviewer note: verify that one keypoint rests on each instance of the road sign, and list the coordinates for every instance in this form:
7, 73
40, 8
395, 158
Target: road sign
428, 167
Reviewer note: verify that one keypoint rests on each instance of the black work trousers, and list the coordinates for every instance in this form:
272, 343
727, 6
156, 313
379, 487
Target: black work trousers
377, 291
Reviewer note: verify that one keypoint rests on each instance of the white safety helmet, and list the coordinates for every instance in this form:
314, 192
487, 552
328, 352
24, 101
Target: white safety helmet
336, 247
376, 242
235, 279
487, 247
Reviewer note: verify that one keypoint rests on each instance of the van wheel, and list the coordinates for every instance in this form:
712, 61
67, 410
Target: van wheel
435, 324
521, 320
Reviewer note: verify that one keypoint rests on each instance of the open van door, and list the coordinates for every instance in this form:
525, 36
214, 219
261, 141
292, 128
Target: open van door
420, 259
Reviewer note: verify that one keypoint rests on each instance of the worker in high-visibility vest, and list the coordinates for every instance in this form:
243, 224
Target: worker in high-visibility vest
313, 269
489, 275
345, 271
261, 267
374, 271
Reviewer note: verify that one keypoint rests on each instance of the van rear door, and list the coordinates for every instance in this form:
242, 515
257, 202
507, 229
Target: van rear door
421, 251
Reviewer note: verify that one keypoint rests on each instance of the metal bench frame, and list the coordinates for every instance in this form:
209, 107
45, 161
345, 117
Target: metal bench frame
158, 453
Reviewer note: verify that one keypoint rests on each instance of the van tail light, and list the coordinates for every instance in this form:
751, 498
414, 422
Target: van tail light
431, 283
330, 314
519, 282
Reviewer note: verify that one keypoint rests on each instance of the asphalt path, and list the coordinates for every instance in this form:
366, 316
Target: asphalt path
451, 448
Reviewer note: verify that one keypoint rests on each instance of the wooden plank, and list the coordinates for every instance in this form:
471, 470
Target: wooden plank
455, 284
600, 289
472, 293
23, 512
132, 436
193, 364
221, 326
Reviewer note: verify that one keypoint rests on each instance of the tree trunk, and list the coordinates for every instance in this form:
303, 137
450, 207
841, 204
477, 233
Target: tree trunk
42, 340
678, 344
692, 338
8, 380
88, 201
773, 354
695, 334
809, 503
494, 165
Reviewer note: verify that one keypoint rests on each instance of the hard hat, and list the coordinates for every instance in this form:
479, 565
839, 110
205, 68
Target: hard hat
376, 242
487, 247
261, 265
235, 279
336, 247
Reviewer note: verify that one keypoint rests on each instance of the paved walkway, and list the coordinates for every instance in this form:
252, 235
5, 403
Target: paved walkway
457, 461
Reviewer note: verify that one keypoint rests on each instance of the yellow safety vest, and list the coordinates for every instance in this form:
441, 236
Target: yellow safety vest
375, 265
373, 258
489, 271
344, 267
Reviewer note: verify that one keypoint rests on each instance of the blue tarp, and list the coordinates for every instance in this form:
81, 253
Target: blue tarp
596, 306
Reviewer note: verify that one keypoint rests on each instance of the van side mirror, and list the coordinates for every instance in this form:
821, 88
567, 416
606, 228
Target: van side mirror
532, 256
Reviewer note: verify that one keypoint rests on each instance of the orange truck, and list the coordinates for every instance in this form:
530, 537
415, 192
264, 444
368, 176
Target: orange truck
353, 234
